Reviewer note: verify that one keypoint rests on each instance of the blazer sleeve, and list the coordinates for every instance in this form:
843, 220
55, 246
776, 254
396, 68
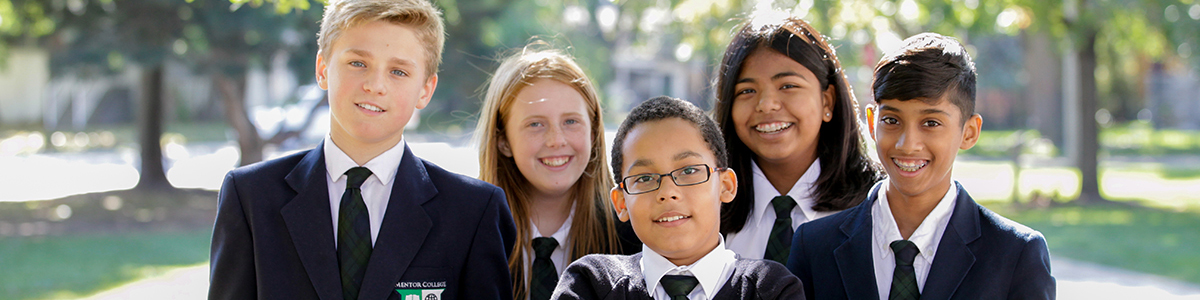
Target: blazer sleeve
485, 275
1032, 279
776, 282
798, 263
232, 254
578, 281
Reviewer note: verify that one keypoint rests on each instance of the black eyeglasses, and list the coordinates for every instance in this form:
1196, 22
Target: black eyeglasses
649, 182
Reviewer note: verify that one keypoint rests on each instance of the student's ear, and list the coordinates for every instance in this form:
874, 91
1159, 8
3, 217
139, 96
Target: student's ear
618, 201
322, 80
827, 98
729, 185
971, 131
502, 145
870, 109
427, 91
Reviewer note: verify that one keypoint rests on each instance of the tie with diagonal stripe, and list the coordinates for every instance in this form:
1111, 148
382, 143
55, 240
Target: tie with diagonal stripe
354, 233
544, 277
904, 278
779, 244
678, 286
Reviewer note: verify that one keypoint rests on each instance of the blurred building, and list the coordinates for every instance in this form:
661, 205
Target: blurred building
1173, 96
23, 78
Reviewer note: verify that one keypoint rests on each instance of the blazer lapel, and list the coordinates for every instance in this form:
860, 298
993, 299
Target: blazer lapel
308, 220
954, 258
405, 225
854, 260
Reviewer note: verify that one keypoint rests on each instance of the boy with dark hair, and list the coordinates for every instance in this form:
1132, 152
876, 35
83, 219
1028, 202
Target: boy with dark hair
673, 198
360, 216
919, 234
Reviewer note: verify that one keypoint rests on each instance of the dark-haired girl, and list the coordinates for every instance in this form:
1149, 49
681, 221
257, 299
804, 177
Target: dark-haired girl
791, 127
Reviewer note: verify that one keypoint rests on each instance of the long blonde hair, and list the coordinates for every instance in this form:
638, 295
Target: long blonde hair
592, 230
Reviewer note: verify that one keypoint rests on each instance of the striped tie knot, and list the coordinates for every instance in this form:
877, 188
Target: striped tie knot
906, 251
544, 246
783, 207
356, 176
679, 286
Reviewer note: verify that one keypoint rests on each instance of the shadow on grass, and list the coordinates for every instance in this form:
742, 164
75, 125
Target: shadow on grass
1133, 237
83, 244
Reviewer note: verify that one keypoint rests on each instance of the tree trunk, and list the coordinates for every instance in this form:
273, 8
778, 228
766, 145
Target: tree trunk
233, 92
1089, 135
150, 125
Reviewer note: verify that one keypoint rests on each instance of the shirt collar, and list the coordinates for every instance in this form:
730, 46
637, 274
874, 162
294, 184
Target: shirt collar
927, 235
707, 269
383, 167
801, 191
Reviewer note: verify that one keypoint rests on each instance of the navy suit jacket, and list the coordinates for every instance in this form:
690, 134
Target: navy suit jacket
273, 237
982, 255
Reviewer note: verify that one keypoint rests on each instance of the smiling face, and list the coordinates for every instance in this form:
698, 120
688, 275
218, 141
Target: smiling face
779, 107
548, 134
679, 223
374, 83
917, 143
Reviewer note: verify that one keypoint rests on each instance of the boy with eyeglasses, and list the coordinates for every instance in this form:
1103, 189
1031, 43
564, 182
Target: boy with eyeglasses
677, 178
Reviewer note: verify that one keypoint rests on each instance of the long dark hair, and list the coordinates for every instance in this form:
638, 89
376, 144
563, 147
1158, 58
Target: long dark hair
847, 173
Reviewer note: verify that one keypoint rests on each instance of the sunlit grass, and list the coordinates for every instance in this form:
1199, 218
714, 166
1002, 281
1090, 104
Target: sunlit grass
1147, 240
58, 267
1150, 184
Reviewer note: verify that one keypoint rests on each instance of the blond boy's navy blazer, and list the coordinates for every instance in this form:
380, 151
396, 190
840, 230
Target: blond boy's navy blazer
273, 237
982, 255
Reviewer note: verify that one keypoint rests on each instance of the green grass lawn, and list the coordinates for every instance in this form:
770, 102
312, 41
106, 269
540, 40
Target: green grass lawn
1148, 240
71, 266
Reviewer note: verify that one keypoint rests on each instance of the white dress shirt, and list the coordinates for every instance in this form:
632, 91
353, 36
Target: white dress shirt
559, 256
751, 241
712, 271
927, 236
376, 190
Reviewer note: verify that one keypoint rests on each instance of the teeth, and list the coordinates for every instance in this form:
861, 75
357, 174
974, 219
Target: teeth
912, 166
556, 161
669, 219
772, 127
370, 107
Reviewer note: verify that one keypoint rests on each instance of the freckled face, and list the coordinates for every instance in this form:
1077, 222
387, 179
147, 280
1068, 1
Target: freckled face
374, 83
548, 133
779, 107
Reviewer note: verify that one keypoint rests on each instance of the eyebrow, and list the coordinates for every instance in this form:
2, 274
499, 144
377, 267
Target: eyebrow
923, 111
396, 61
677, 157
542, 116
934, 111
775, 77
686, 154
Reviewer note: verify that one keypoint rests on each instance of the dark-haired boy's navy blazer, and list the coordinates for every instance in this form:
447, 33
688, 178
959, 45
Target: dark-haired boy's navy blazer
982, 255
273, 237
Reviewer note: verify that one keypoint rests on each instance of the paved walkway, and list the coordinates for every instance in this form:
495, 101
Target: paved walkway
1076, 280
